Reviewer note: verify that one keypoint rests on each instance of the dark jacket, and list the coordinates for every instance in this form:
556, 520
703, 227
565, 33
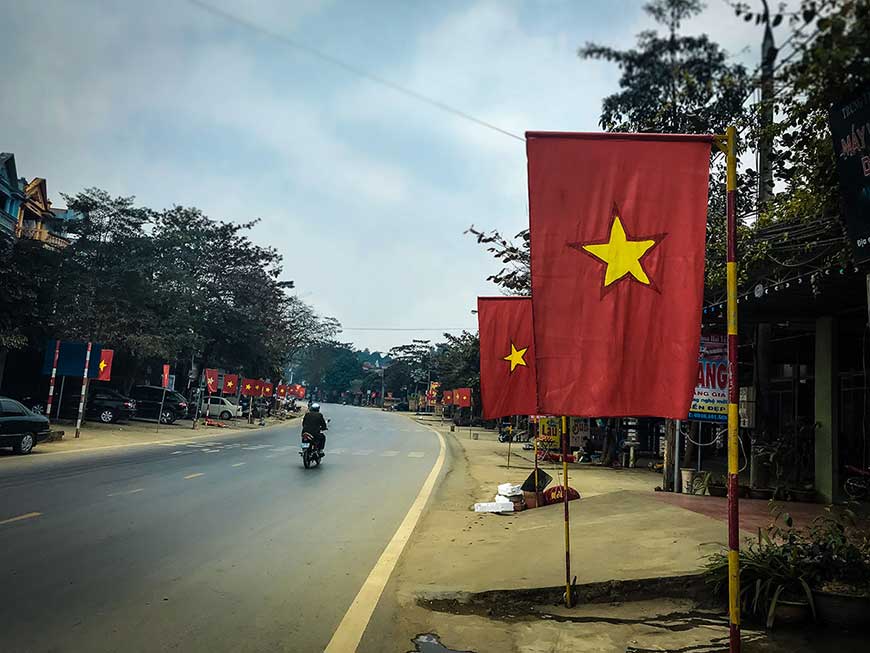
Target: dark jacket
313, 423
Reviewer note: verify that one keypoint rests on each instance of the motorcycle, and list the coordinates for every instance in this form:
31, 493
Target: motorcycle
311, 455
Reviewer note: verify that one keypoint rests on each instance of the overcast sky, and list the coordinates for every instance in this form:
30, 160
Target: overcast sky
365, 191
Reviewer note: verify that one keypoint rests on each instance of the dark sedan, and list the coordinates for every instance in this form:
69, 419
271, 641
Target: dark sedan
20, 428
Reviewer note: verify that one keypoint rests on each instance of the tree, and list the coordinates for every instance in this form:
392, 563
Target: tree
669, 83
672, 83
458, 361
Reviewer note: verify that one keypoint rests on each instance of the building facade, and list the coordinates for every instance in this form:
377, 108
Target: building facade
11, 195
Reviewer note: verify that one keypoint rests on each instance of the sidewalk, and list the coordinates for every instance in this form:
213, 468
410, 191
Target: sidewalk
626, 538
104, 436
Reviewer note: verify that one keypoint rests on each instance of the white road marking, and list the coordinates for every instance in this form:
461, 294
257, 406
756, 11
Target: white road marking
416, 454
210, 450
350, 631
283, 449
116, 494
336, 451
256, 447
390, 453
363, 452
238, 464
29, 515
175, 453
196, 475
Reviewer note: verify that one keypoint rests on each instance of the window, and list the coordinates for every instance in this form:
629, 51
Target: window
12, 408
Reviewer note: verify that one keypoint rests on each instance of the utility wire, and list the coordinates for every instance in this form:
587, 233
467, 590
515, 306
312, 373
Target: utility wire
348, 67
404, 329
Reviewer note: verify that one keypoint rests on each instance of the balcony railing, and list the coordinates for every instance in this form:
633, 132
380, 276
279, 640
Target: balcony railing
44, 236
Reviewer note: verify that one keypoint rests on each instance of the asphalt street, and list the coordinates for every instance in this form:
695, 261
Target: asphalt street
225, 545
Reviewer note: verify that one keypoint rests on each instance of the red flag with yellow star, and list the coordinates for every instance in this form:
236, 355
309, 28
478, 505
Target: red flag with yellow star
507, 356
617, 227
211, 378
267, 389
462, 397
447, 398
105, 365
250, 387
231, 384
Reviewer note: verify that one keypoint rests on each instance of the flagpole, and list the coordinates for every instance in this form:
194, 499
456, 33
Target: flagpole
565, 498
84, 391
53, 377
733, 397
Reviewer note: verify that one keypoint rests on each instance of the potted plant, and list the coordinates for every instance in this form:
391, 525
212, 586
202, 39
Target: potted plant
839, 551
774, 576
716, 486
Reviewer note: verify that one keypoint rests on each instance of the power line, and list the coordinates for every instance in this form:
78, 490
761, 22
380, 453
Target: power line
348, 67
404, 329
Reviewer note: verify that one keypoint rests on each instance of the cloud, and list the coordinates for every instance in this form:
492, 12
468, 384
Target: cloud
364, 190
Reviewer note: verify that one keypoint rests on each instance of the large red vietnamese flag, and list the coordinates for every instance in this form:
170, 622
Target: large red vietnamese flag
507, 356
617, 225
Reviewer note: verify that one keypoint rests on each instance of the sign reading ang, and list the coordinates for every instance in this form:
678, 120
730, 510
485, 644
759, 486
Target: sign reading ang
710, 403
850, 129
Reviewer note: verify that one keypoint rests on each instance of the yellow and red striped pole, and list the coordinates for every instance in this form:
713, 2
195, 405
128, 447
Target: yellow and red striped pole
733, 484
568, 602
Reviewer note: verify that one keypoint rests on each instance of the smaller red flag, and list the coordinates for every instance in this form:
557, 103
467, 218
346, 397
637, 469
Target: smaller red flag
464, 397
211, 380
300, 391
106, 365
231, 384
165, 376
258, 388
248, 387
447, 400
281, 391
267, 389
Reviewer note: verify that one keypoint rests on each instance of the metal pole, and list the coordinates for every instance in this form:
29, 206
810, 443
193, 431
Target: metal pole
509, 449
53, 377
164, 381
677, 457
60, 396
537, 494
565, 497
733, 398
84, 391
700, 440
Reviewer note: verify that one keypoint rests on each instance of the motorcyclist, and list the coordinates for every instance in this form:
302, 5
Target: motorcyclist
314, 423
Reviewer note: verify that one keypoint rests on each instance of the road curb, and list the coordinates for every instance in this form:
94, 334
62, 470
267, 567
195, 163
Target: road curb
501, 603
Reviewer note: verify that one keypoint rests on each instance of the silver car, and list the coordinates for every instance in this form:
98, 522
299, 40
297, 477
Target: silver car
220, 407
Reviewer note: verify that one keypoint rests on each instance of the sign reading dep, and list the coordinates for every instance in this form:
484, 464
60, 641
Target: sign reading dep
710, 402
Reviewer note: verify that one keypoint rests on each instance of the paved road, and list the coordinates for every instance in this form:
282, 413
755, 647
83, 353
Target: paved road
226, 545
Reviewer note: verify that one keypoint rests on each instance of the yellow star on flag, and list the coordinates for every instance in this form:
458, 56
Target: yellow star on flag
247, 386
230, 384
621, 255
102, 365
516, 357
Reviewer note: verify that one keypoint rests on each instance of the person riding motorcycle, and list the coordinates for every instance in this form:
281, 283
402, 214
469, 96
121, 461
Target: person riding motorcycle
315, 423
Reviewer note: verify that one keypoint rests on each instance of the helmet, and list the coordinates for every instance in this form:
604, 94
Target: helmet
315, 408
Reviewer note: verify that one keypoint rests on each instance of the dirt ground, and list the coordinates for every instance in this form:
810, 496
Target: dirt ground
620, 531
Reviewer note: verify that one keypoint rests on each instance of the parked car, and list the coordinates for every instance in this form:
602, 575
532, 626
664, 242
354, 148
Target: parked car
148, 399
20, 428
220, 407
103, 405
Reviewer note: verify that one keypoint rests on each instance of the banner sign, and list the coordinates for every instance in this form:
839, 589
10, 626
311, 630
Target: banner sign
71, 359
549, 433
850, 129
710, 403
579, 430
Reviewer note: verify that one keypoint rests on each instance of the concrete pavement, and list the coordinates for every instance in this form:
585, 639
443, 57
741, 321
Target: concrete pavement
223, 544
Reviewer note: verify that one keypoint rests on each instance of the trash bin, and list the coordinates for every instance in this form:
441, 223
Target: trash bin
687, 475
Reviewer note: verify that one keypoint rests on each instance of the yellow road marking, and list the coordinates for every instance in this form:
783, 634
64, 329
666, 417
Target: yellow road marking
350, 631
115, 494
238, 464
29, 515
197, 475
